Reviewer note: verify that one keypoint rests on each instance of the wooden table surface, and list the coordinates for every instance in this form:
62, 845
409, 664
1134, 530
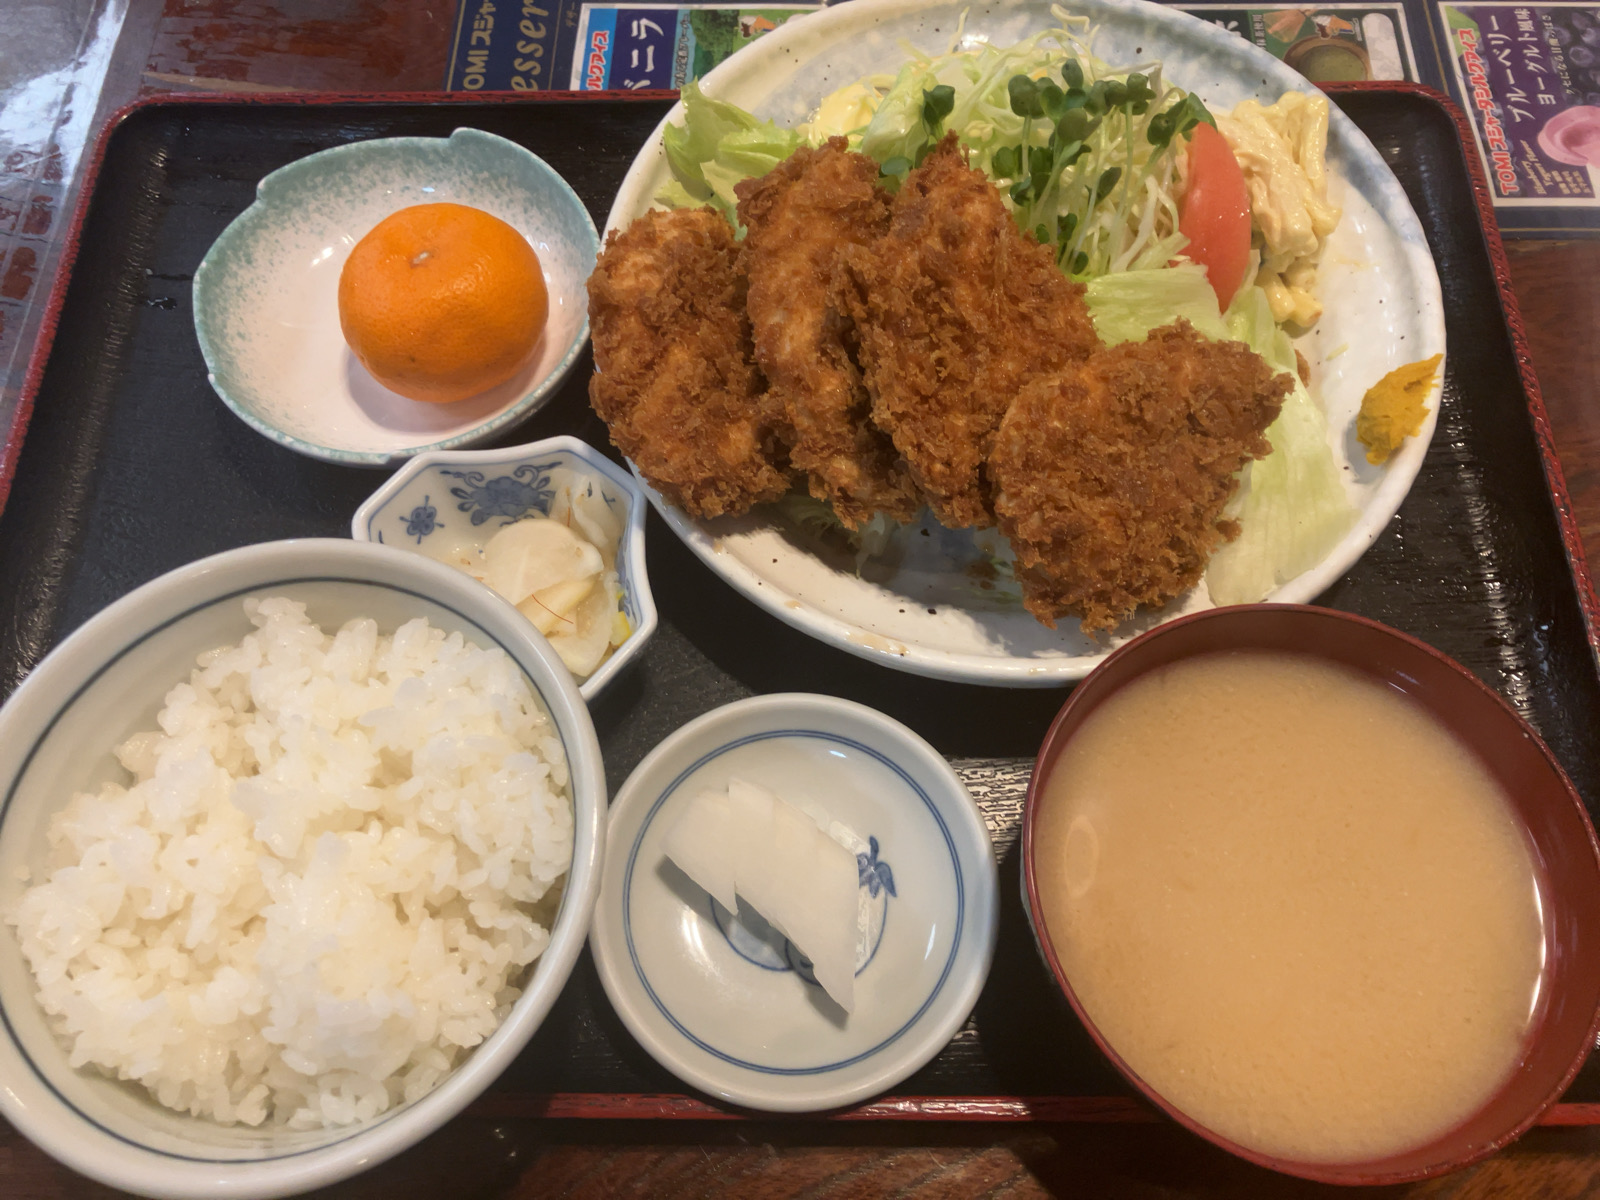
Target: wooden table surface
246, 46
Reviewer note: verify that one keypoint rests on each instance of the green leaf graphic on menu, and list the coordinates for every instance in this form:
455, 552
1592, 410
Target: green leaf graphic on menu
719, 32
716, 36
1455, 19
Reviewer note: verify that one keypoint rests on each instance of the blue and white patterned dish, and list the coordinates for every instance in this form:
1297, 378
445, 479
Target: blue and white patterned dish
726, 1004
445, 505
266, 296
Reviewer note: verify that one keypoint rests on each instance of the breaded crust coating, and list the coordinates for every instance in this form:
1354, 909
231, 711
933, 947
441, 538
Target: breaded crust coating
956, 310
675, 378
1111, 477
798, 218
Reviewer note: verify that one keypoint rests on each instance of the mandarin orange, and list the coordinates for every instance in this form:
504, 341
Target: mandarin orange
441, 301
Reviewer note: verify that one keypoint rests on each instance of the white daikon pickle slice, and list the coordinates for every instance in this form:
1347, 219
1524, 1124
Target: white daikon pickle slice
552, 608
597, 521
529, 555
583, 644
754, 844
699, 842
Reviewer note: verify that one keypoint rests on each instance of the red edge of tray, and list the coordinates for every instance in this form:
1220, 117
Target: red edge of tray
657, 1106
1554, 477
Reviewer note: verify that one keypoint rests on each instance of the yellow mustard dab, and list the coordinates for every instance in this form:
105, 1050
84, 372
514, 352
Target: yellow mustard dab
1393, 408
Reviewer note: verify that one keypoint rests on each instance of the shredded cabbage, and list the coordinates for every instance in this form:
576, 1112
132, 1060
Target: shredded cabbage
817, 519
1083, 151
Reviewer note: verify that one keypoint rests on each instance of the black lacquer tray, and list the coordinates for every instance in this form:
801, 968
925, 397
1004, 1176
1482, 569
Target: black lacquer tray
131, 466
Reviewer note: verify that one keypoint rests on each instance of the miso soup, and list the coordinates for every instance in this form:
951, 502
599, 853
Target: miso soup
1293, 903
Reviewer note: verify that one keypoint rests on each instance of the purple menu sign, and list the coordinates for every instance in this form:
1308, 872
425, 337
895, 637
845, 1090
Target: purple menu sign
1531, 78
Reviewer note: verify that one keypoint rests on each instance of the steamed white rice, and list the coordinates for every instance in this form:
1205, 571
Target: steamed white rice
324, 883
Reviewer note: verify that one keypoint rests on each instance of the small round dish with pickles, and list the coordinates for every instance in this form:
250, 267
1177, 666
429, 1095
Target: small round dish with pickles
584, 586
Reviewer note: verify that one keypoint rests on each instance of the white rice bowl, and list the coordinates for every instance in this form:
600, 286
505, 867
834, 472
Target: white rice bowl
107, 682
319, 891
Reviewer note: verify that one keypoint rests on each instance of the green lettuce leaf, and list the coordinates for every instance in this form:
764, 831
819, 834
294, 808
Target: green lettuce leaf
717, 146
1293, 508
1128, 306
896, 130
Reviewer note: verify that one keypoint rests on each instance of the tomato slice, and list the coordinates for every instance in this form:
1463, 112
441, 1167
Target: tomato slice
1215, 213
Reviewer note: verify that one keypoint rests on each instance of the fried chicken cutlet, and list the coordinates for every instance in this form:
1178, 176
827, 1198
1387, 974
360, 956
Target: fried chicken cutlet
675, 378
798, 219
956, 310
1111, 477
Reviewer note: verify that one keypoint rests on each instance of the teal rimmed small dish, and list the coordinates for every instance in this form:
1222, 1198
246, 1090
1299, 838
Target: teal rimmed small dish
266, 294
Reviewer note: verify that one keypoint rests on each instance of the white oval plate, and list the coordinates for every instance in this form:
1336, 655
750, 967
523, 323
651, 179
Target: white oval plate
930, 613
717, 1000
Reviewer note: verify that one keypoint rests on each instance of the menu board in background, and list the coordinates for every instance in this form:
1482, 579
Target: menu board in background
1529, 75
628, 46
501, 45
527, 45
1336, 43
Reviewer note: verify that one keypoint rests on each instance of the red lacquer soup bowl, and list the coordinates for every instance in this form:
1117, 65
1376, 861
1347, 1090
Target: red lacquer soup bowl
1560, 838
